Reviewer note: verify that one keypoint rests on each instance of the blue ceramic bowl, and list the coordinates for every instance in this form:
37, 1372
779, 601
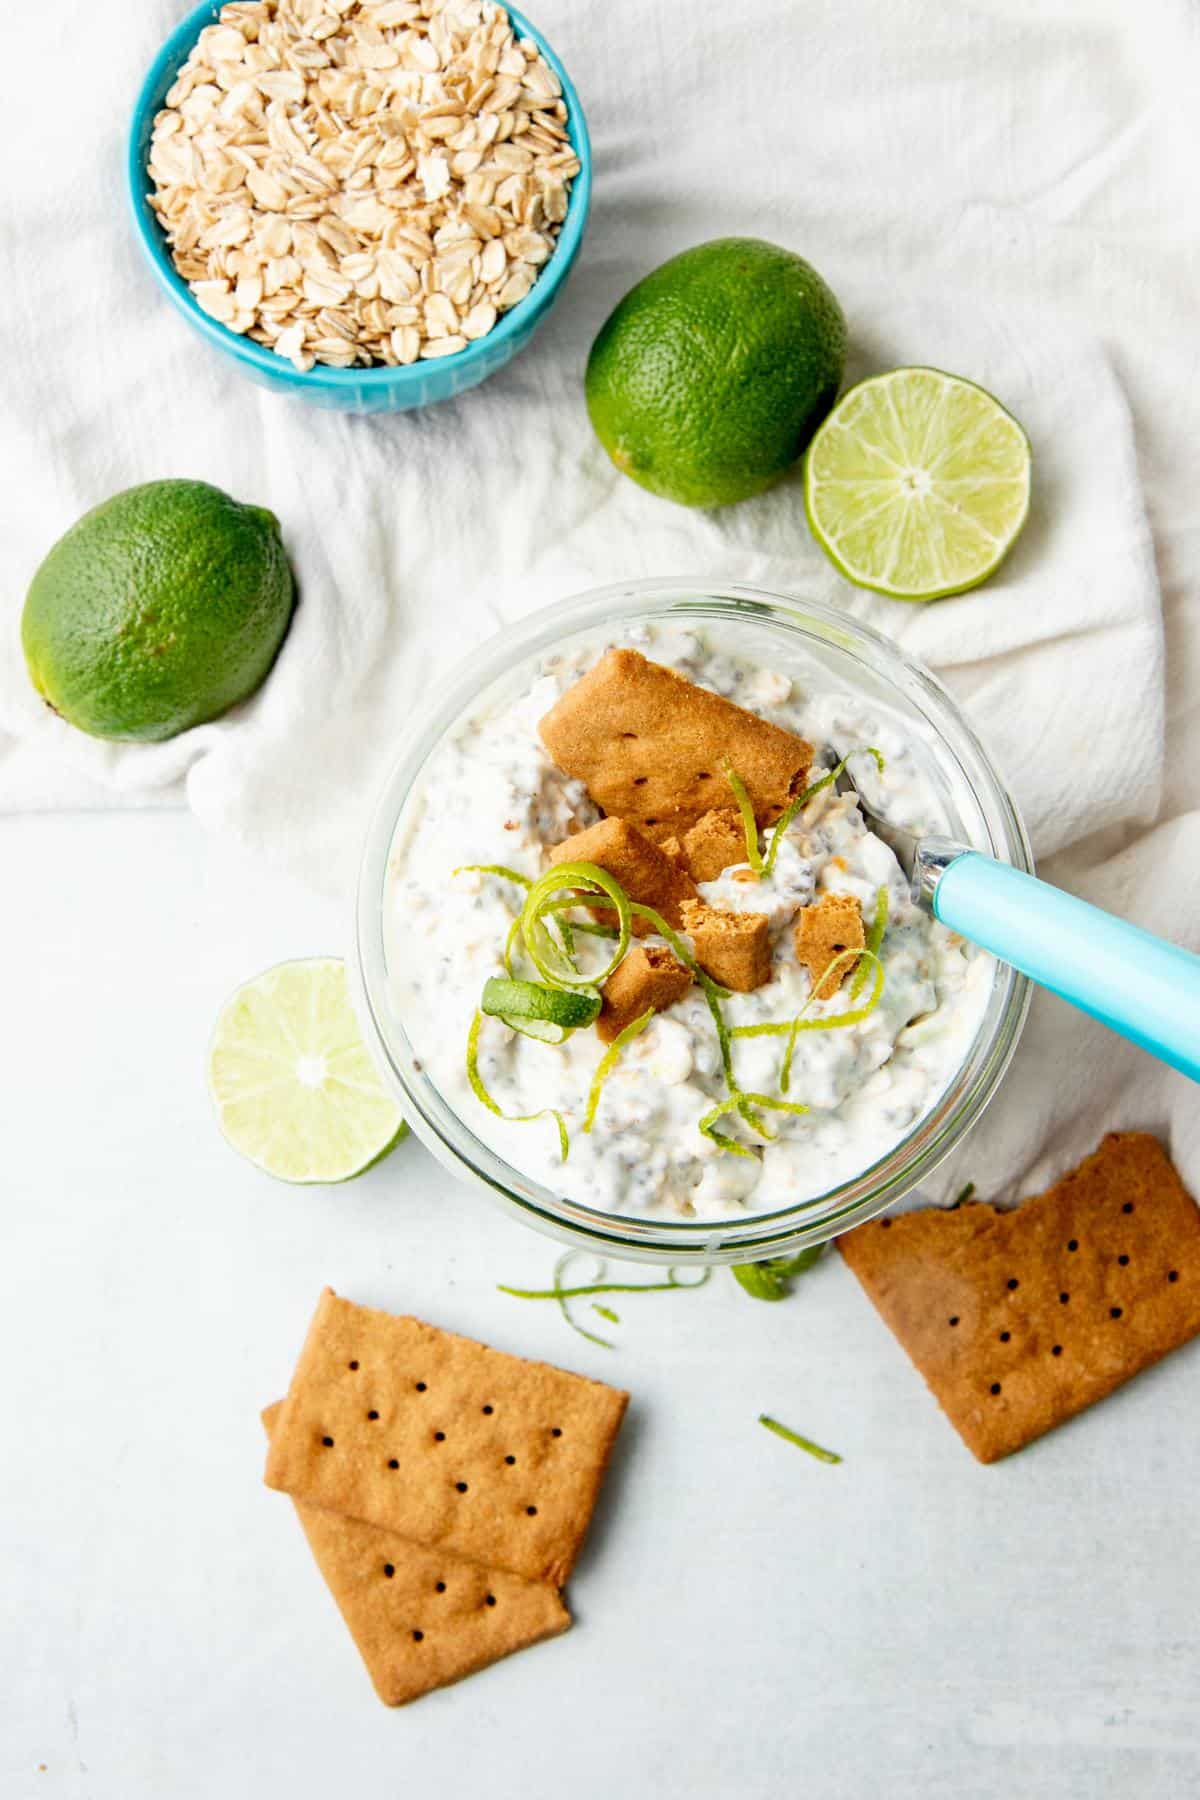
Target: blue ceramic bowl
379, 389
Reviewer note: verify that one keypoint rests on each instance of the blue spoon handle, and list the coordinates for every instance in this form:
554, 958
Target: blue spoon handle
1140, 985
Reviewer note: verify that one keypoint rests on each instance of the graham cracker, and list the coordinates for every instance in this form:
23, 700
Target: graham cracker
1018, 1320
715, 843
830, 925
654, 748
733, 947
421, 1618
646, 872
670, 846
648, 976
443, 1440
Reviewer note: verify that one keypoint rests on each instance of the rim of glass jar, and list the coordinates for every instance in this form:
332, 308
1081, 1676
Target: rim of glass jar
705, 1241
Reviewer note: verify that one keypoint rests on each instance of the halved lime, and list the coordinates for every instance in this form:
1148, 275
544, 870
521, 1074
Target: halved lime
917, 484
292, 1081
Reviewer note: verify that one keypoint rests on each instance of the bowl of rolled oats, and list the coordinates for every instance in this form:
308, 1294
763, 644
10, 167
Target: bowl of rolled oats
370, 203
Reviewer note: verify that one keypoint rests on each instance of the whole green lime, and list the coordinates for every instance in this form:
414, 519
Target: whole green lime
712, 374
159, 609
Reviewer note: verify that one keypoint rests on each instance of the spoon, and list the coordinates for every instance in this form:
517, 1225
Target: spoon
1139, 985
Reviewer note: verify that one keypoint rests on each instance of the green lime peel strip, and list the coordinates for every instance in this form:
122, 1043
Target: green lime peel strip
802, 1443
791, 1028
591, 927
714, 994
743, 1104
749, 822
868, 956
561, 1293
504, 873
479, 1089
499, 869
810, 793
854, 1017
510, 944
608, 1063
765, 864
771, 1280
874, 940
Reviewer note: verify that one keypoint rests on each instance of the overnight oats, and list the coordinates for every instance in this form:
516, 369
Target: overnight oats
647, 949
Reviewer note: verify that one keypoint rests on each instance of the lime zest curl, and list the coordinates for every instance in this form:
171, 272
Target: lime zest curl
555, 962
749, 822
791, 1028
854, 1017
865, 958
743, 1104
800, 801
608, 1063
561, 1293
479, 1089
764, 864
874, 940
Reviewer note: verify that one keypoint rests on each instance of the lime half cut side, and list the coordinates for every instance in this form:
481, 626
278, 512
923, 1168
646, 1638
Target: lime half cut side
917, 484
293, 1083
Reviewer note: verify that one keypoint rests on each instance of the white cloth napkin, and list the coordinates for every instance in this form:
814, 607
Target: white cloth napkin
999, 192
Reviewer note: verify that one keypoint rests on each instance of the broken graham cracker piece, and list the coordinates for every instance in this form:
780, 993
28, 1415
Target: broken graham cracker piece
830, 925
646, 872
653, 747
1018, 1320
733, 947
443, 1440
422, 1618
648, 976
670, 846
716, 842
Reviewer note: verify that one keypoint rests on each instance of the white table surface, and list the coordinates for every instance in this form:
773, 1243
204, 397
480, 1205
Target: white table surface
749, 1622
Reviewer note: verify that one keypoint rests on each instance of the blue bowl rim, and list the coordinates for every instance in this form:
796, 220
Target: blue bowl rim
512, 324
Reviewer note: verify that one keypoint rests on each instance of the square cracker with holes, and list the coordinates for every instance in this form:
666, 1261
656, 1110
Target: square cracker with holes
653, 747
443, 1440
1018, 1320
422, 1618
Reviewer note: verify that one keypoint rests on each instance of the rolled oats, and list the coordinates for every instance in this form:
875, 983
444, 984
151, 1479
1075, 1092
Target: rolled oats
361, 181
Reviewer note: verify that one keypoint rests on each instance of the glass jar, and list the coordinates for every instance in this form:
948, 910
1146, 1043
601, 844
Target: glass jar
776, 631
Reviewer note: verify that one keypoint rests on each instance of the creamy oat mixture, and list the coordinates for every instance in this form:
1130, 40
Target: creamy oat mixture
491, 794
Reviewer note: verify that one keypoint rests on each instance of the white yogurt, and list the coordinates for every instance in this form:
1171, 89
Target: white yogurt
490, 794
